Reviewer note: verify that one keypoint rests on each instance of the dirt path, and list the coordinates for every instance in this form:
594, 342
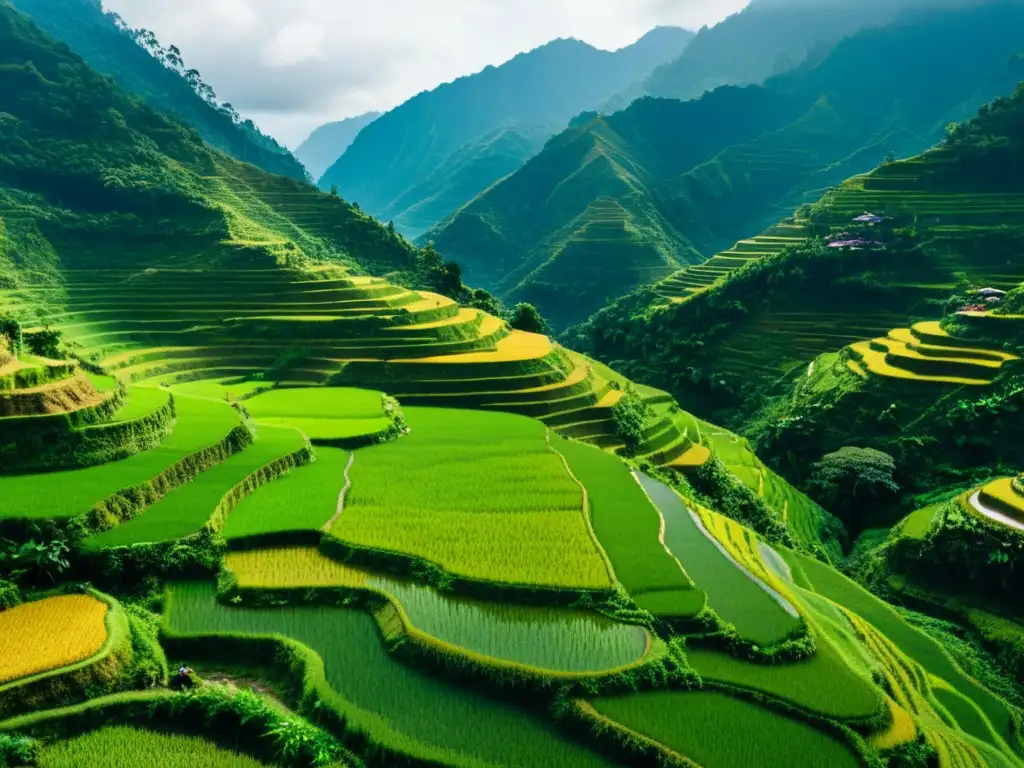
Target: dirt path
341, 496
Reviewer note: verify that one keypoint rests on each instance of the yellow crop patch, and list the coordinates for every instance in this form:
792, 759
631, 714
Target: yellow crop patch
290, 567
50, 634
901, 730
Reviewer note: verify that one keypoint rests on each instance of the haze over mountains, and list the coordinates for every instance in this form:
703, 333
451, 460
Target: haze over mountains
418, 162
329, 142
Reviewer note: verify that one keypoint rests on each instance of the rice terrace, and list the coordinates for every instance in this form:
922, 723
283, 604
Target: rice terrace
655, 403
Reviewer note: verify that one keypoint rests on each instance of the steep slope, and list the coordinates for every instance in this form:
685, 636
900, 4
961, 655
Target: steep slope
881, 91
764, 39
459, 177
582, 222
836, 341
111, 49
90, 175
329, 142
541, 89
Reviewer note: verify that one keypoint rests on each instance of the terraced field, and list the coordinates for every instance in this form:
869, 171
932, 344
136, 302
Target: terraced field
523, 520
926, 354
691, 280
300, 329
1001, 501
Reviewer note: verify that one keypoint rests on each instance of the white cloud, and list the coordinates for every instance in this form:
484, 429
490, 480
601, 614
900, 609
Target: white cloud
294, 65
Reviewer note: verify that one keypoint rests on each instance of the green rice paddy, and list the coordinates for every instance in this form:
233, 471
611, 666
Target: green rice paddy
731, 593
911, 641
718, 731
419, 710
186, 509
628, 527
302, 500
321, 413
845, 695
139, 403
480, 494
554, 639
123, 747
199, 424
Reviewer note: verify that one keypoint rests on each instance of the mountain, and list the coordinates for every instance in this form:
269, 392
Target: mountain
765, 38
539, 90
880, 91
329, 142
580, 224
109, 47
92, 175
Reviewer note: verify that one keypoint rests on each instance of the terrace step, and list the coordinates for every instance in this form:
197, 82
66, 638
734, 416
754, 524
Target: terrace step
900, 355
875, 363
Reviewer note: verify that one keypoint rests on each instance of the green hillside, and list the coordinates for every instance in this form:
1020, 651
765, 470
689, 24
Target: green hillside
394, 168
583, 220
803, 350
261, 506
329, 142
844, 115
109, 47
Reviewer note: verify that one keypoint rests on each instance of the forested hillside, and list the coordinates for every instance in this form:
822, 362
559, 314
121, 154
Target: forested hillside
607, 207
395, 168
140, 65
329, 142
90, 174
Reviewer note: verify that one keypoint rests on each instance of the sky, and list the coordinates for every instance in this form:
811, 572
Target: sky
292, 65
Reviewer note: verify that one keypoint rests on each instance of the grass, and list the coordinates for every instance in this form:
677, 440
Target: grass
845, 695
718, 731
199, 424
186, 509
913, 643
559, 639
469, 728
124, 747
731, 593
321, 413
304, 499
628, 527
50, 634
480, 494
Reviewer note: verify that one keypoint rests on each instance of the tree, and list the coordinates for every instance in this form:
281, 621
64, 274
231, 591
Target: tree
525, 317
45, 343
851, 476
630, 415
334, 190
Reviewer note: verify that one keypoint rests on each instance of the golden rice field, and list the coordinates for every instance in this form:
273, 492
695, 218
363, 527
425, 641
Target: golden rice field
50, 634
290, 567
